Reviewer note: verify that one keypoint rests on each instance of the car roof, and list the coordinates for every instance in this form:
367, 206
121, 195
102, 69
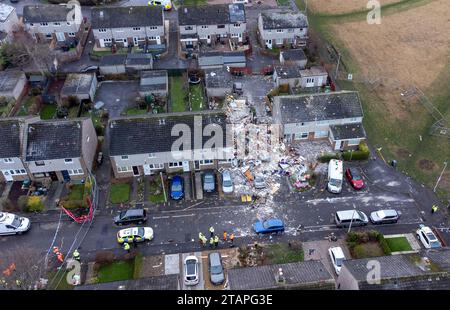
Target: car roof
132, 231
135, 211
384, 213
275, 222
337, 251
347, 214
214, 257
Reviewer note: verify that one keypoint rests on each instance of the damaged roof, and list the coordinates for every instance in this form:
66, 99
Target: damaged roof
317, 107
152, 133
45, 13
9, 138
153, 80
284, 20
294, 55
218, 78
127, 16
54, 139
77, 83
348, 131
216, 14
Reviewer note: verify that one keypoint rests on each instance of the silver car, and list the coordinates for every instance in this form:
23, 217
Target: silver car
215, 268
384, 216
191, 276
227, 183
11, 224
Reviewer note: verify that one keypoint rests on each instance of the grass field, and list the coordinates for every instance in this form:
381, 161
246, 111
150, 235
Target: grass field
117, 271
334, 7
156, 193
76, 192
196, 97
135, 111
281, 253
177, 94
120, 192
48, 111
26, 104
398, 244
398, 53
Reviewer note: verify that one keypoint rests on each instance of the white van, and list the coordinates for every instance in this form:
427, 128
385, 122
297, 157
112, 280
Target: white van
353, 217
11, 224
335, 176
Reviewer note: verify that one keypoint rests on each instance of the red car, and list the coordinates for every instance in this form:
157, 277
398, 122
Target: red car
354, 177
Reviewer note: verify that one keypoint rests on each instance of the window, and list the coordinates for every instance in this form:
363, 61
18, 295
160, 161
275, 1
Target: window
48, 35
153, 28
31, 24
68, 23
68, 160
8, 160
280, 30
220, 26
124, 169
235, 35
102, 30
176, 164
301, 29
151, 155
75, 172
237, 25
17, 172
302, 136
72, 34
353, 142
39, 163
321, 134
204, 27
124, 157
205, 162
188, 28
310, 80
107, 40
152, 38
56, 24
290, 30
156, 166
137, 28
44, 24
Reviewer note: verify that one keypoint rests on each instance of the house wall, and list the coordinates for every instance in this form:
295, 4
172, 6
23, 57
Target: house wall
346, 281
16, 164
128, 33
89, 143
319, 80
212, 30
286, 34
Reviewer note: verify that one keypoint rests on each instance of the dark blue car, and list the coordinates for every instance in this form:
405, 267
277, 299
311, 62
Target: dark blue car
269, 226
176, 188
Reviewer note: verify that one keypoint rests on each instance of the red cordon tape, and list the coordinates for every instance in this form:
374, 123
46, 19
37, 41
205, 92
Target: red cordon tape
82, 218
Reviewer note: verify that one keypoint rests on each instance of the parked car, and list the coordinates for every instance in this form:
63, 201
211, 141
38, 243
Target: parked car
260, 182
337, 257
427, 237
135, 234
11, 224
227, 183
209, 182
354, 177
269, 226
384, 216
131, 216
353, 217
166, 4
89, 69
215, 268
177, 188
191, 270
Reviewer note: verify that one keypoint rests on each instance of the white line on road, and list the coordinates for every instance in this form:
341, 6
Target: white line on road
183, 215
160, 217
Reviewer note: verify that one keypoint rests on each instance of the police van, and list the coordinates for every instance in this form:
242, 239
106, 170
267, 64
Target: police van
167, 4
335, 175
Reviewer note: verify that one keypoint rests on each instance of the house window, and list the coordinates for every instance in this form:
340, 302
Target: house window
156, 166
44, 24
353, 142
302, 136
205, 162
31, 24
310, 80
71, 34
237, 25
48, 35
220, 26
151, 155
68, 23
17, 172
56, 24
102, 30
124, 157
188, 28
152, 38
68, 160
290, 30
204, 27
107, 40
39, 163
8, 160
235, 35
137, 28
75, 171
176, 164
153, 28
301, 29
269, 30
280, 30
321, 134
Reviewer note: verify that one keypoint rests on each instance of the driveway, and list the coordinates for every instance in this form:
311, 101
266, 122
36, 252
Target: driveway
117, 95
201, 283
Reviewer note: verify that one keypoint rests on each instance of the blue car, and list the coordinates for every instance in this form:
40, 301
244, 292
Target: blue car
269, 226
176, 188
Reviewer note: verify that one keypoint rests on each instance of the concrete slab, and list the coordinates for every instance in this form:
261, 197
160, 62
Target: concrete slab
198, 186
172, 264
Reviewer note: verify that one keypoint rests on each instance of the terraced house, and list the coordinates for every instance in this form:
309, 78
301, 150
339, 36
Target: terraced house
142, 145
278, 29
128, 26
211, 24
46, 22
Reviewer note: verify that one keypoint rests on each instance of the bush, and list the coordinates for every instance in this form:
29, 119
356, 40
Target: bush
328, 156
99, 129
35, 204
22, 203
73, 204
355, 155
384, 245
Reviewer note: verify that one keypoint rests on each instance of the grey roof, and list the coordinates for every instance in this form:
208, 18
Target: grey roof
294, 55
148, 134
284, 20
313, 71
318, 107
5, 11
45, 13
288, 72
129, 16
308, 274
138, 59
166, 282
113, 60
153, 80
9, 138
216, 14
54, 139
77, 83
9, 79
406, 271
218, 78
348, 131
221, 58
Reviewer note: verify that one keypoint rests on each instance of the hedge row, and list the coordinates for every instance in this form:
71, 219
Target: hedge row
362, 153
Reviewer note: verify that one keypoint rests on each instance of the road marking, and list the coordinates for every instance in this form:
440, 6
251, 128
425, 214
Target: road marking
160, 217
184, 215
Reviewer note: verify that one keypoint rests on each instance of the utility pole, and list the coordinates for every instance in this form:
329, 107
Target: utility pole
164, 188
350, 226
440, 176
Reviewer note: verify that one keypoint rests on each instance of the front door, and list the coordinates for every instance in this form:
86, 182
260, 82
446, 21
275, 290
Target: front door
8, 176
53, 176
65, 175
197, 165
186, 166
208, 39
135, 171
60, 37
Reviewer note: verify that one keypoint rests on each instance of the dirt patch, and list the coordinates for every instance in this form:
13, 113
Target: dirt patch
152, 266
402, 153
335, 7
445, 181
426, 164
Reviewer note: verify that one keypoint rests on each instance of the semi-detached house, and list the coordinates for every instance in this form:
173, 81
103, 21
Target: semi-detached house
143, 145
128, 26
335, 116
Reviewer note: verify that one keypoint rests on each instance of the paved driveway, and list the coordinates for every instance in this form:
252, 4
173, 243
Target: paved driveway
117, 95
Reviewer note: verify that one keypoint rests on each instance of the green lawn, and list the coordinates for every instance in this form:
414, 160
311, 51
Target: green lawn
73, 112
283, 2
26, 103
120, 193
76, 192
48, 112
135, 111
156, 193
117, 271
196, 97
281, 253
369, 249
177, 94
398, 244
191, 2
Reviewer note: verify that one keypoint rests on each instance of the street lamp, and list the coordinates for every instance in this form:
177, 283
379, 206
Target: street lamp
440, 176
350, 226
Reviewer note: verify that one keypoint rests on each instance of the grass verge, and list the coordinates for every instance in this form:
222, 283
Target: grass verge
120, 193
398, 244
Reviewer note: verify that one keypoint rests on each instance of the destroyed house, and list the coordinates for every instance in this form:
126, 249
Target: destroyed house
296, 77
334, 116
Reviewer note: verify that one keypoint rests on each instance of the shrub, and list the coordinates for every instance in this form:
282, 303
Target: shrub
99, 129
363, 147
328, 156
35, 91
355, 155
35, 204
73, 204
373, 235
384, 245
22, 202
6, 204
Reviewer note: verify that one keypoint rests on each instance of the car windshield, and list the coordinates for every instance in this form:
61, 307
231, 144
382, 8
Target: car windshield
266, 225
122, 214
17, 221
176, 187
190, 267
140, 231
335, 182
209, 178
431, 237
361, 215
216, 269
355, 175
339, 262
227, 183
435, 244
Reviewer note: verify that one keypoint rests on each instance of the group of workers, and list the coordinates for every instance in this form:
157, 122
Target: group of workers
214, 239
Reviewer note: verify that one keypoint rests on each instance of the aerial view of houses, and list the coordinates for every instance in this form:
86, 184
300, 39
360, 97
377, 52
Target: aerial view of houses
224, 145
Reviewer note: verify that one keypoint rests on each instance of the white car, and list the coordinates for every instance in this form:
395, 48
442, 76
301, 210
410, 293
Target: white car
11, 224
337, 257
191, 270
227, 183
427, 237
134, 234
